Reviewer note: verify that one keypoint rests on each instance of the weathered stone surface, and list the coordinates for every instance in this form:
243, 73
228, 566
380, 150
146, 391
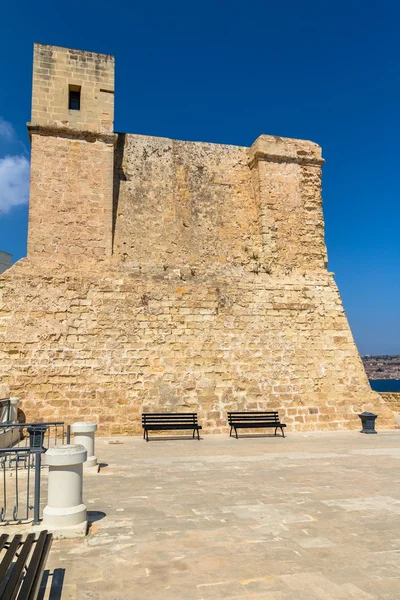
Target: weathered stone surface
70, 214
106, 347
311, 517
392, 400
4, 390
164, 274
55, 69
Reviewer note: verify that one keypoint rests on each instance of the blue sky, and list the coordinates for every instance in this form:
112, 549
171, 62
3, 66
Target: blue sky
227, 72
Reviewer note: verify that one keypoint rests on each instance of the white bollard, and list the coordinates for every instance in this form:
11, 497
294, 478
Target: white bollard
65, 509
14, 410
84, 435
9, 414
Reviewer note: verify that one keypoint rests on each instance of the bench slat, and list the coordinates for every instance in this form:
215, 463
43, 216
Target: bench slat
168, 414
253, 412
169, 428
9, 555
276, 424
169, 420
3, 540
256, 418
164, 420
259, 419
32, 562
11, 588
34, 575
171, 423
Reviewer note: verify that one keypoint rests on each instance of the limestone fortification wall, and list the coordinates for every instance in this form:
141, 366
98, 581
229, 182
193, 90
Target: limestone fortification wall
207, 205
107, 345
173, 275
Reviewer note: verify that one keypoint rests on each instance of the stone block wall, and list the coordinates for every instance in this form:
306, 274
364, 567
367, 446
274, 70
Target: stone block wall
392, 399
191, 203
55, 69
287, 186
70, 210
184, 203
107, 345
72, 156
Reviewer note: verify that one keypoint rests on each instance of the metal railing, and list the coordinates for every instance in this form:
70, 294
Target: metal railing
21, 488
20, 468
25, 435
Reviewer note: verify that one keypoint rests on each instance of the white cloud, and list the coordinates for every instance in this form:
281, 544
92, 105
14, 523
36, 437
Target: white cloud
6, 130
14, 182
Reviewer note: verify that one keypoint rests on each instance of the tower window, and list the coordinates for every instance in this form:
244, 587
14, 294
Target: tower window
74, 102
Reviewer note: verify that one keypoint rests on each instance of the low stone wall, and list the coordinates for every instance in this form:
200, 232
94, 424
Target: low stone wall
392, 399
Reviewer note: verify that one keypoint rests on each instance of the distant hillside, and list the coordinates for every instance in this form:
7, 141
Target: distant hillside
382, 367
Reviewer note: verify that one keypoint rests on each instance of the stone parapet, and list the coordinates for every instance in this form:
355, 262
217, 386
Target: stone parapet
274, 148
70, 132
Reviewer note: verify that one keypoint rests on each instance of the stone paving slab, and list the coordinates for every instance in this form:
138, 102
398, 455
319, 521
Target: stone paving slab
313, 516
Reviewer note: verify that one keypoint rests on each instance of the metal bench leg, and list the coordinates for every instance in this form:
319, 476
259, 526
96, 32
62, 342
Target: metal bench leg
230, 433
276, 429
236, 433
144, 434
283, 433
193, 434
147, 435
198, 434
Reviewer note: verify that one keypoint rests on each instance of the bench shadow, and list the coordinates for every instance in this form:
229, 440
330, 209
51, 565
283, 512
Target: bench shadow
56, 588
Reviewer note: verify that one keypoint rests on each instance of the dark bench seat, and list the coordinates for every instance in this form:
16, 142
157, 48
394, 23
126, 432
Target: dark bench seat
251, 419
169, 422
20, 580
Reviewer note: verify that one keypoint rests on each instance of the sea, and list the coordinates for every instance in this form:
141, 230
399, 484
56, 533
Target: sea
385, 385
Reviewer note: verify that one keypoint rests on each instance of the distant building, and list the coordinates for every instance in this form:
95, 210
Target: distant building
5, 261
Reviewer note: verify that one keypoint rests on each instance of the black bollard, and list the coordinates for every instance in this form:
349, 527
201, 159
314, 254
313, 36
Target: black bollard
368, 422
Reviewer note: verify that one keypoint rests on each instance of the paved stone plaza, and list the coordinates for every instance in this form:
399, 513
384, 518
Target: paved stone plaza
312, 516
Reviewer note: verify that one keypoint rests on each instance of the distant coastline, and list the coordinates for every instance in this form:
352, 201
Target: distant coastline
382, 367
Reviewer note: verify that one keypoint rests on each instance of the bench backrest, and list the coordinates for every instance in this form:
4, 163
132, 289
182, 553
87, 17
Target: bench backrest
253, 417
169, 419
31, 555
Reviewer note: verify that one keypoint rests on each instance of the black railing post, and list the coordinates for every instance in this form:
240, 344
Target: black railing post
36, 503
68, 434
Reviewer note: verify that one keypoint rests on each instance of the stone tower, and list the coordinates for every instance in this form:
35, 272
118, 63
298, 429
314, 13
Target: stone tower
72, 141
171, 275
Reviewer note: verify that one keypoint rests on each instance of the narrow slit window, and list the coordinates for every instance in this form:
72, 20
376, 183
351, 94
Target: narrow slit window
74, 97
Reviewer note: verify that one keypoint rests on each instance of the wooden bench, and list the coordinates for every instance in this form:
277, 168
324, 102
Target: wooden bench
20, 580
169, 421
251, 419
